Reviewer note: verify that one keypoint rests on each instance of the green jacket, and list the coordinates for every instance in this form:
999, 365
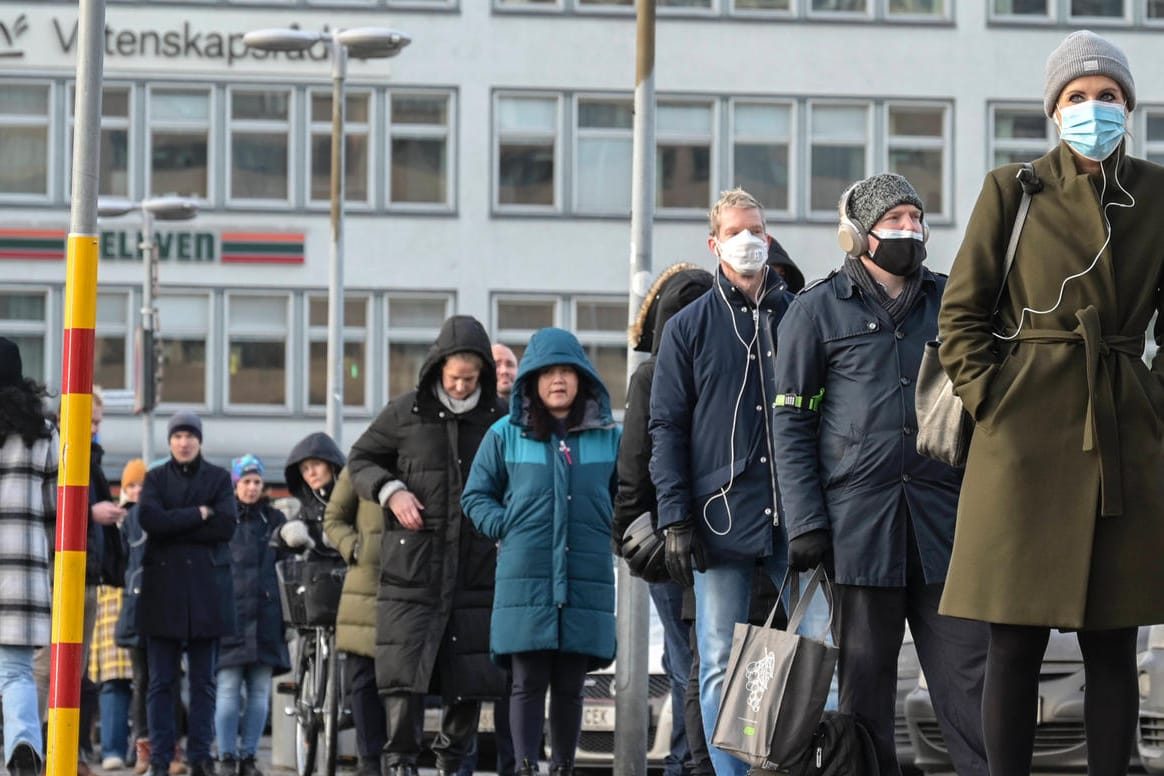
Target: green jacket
1061, 516
354, 526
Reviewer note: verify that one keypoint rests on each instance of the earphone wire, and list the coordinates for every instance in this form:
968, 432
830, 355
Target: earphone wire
1094, 261
723, 492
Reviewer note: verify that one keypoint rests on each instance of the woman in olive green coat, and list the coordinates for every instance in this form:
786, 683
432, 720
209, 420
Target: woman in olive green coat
1061, 517
353, 527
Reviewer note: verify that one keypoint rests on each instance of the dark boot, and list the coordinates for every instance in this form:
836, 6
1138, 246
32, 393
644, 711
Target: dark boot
369, 766
204, 768
228, 765
390, 765
526, 768
562, 769
247, 767
25, 761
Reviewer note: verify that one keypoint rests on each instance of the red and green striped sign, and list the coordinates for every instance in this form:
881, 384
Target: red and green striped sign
262, 248
232, 247
37, 244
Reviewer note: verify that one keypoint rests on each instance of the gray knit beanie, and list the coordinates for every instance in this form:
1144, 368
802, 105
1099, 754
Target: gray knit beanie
877, 195
185, 421
1085, 53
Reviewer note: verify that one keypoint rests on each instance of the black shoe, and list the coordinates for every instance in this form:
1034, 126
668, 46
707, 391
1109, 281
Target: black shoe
562, 769
24, 761
398, 769
247, 767
526, 768
227, 765
369, 766
204, 768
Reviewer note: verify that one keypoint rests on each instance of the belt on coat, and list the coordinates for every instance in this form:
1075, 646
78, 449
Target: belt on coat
1100, 428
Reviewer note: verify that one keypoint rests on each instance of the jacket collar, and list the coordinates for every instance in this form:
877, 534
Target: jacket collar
771, 293
844, 287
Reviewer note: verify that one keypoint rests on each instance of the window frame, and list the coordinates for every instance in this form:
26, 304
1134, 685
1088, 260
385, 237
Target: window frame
129, 124
559, 140
1123, 19
576, 135
49, 124
521, 336
408, 335
166, 331
261, 126
229, 336
714, 139
422, 131
314, 334
992, 144
810, 106
868, 15
213, 139
944, 143
794, 172
365, 128
126, 331
602, 338
28, 328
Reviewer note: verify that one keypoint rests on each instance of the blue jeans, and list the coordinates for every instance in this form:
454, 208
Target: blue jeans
722, 596
21, 710
231, 708
114, 705
668, 599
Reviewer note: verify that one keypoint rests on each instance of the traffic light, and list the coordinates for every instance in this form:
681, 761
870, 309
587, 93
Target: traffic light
147, 377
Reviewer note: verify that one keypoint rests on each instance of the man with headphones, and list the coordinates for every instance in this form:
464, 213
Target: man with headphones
857, 496
712, 460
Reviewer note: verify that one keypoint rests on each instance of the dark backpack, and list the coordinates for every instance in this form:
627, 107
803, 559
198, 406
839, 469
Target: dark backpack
841, 746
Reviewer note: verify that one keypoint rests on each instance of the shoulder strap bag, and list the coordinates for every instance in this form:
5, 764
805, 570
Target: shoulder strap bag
944, 427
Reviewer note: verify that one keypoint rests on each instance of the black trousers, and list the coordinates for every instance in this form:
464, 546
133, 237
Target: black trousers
563, 674
869, 627
404, 714
367, 709
700, 764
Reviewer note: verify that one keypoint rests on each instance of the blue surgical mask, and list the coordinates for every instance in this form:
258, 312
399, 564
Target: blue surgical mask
1094, 129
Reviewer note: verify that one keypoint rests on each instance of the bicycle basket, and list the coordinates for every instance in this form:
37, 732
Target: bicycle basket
309, 591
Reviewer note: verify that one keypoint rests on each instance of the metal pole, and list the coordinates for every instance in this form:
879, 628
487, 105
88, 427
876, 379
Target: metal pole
68, 608
632, 670
335, 288
149, 256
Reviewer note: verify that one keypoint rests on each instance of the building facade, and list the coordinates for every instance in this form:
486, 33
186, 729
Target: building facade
488, 170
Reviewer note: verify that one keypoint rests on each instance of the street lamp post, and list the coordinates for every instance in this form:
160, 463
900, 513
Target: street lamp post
362, 43
161, 209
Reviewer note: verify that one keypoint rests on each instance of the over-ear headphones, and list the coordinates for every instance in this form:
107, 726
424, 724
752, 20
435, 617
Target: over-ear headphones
851, 237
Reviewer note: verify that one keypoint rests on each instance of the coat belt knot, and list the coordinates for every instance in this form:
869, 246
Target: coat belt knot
1100, 428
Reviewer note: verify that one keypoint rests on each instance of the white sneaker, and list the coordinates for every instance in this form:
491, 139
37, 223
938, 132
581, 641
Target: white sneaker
112, 764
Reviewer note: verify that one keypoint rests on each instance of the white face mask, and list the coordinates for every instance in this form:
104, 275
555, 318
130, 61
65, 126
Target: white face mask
745, 252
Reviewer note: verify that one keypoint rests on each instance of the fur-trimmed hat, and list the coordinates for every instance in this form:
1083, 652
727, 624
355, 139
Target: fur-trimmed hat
642, 332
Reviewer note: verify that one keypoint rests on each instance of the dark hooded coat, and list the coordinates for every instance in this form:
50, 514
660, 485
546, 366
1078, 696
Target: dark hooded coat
436, 584
313, 503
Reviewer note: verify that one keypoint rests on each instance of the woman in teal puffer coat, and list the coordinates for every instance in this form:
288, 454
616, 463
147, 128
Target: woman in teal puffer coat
542, 485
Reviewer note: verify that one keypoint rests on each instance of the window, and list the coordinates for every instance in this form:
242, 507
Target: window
355, 351
838, 136
115, 172
602, 180
1092, 10
257, 365
1019, 134
111, 351
357, 164
23, 319
1154, 10
24, 140
1025, 8
782, 7
683, 171
845, 7
260, 145
518, 318
601, 328
179, 147
762, 152
916, 8
413, 325
527, 152
916, 139
184, 327
1154, 136
421, 167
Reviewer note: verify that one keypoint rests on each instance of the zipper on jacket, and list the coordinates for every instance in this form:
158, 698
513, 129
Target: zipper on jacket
564, 449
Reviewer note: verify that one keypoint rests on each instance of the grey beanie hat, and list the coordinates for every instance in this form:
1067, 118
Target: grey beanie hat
1085, 53
185, 421
876, 195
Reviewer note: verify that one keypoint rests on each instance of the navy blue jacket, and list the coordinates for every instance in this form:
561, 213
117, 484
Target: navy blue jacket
712, 451
133, 540
848, 467
186, 589
259, 636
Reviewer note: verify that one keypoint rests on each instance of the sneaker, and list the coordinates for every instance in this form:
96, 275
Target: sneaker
112, 763
24, 762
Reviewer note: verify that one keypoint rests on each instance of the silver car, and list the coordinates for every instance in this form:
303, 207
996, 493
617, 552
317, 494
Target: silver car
1150, 731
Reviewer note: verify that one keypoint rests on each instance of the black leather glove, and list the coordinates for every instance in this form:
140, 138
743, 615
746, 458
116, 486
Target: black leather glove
808, 550
683, 552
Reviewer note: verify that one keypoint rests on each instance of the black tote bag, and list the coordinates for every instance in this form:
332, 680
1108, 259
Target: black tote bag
776, 687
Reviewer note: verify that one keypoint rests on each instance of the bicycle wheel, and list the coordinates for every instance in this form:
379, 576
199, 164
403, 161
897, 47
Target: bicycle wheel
331, 706
308, 694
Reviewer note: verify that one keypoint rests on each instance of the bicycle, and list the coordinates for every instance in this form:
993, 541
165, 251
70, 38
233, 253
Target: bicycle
309, 592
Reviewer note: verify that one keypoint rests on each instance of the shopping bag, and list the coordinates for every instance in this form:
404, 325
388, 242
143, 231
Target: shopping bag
776, 687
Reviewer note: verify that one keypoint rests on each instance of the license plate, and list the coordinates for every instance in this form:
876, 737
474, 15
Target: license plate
598, 718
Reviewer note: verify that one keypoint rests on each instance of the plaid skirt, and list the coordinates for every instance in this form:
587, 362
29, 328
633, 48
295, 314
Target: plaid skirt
107, 660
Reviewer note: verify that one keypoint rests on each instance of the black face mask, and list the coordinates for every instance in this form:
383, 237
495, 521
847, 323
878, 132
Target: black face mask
899, 256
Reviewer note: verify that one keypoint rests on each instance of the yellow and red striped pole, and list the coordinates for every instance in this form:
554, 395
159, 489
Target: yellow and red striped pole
68, 615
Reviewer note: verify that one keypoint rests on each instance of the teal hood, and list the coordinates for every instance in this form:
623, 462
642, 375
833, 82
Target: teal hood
548, 347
